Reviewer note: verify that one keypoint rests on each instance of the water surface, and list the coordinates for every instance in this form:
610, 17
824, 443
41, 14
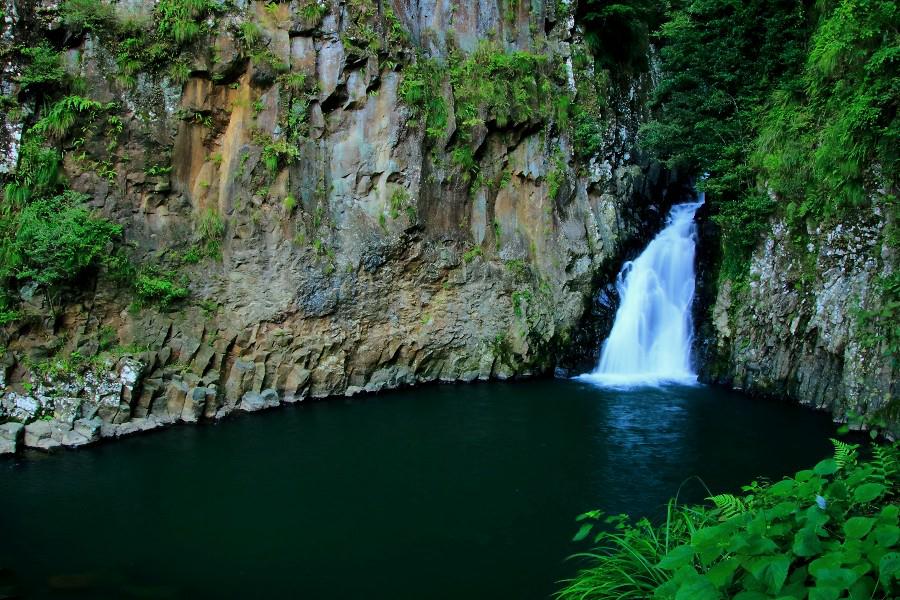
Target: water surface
456, 492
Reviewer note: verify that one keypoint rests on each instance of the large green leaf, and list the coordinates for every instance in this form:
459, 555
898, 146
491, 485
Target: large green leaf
807, 543
887, 535
677, 558
858, 527
821, 592
722, 572
583, 532
889, 568
697, 588
868, 492
826, 467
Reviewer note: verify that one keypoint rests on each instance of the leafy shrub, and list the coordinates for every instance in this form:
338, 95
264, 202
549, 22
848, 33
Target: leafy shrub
58, 239
826, 128
37, 173
826, 533
44, 67
420, 89
88, 15
159, 287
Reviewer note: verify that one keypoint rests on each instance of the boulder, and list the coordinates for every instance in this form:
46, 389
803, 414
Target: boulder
10, 436
39, 435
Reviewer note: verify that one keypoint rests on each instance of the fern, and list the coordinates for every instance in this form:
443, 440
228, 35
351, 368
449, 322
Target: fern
730, 505
886, 468
61, 116
844, 453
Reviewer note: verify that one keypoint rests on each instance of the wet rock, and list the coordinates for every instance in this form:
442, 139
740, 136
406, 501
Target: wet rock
88, 428
10, 437
39, 434
251, 402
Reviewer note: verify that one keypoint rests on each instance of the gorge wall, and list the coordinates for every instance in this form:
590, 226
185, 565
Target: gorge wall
316, 199
804, 326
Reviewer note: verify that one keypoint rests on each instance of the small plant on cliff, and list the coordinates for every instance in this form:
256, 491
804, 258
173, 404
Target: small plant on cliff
153, 285
276, 154
826, 533
312, 11
88, 15
250, 34
182, 20
473, 252
210, 229
289, 204
556, 176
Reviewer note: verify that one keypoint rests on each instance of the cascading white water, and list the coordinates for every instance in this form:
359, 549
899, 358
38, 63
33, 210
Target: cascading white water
650, 341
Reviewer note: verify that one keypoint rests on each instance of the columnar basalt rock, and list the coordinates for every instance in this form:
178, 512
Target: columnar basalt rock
354, 255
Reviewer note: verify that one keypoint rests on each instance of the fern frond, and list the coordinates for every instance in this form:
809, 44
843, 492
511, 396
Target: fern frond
844, 453
730, 505
886, 466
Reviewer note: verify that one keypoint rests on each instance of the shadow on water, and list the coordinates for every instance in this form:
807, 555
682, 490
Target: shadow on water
436, 492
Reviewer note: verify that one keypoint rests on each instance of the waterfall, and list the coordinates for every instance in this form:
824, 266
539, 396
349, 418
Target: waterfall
650, 341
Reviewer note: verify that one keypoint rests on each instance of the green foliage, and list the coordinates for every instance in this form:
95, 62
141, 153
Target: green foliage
420, 89
312, 11
250, 34
182, 20
556, 176
61, 116
488, 86
834, 127
37, 173
210, 229
471, 253
798, 99
155, 286
87, 15
829, 532
400, 200
43, 69
520, 298
277, 154
57, 239
504, 87
721, 61
155, 45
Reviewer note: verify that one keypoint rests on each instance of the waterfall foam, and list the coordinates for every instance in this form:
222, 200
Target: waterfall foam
650, 341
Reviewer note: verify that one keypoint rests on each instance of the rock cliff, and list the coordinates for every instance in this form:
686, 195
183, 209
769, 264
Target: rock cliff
813, 321
319, 198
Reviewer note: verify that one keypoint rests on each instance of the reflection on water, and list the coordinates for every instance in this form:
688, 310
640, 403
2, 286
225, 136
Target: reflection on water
439, 492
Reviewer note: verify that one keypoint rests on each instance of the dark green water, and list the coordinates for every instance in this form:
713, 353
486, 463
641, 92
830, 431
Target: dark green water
440, 492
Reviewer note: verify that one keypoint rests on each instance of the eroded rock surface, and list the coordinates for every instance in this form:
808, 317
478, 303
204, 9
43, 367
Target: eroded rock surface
355, 256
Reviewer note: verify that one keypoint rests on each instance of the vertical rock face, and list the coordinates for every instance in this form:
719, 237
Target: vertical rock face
353, 250
799, 327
